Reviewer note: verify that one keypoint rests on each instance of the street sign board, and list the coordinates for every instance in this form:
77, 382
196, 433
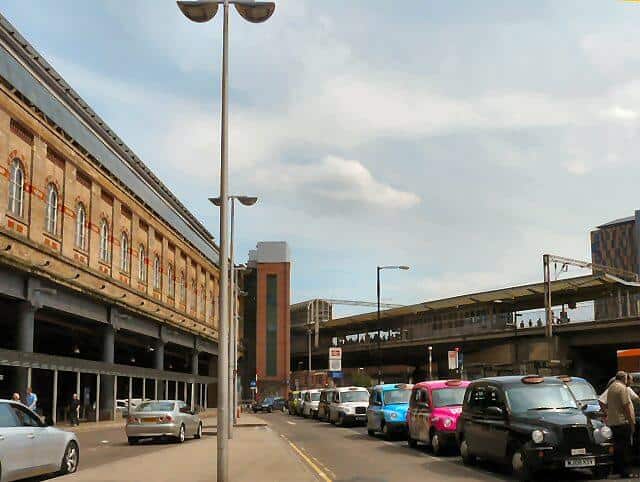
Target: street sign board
335, 353
336, 374
252, 384
452, 356
335, 365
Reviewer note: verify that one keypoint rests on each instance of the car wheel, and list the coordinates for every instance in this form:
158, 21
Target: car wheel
340, 420
413, 443
467, 457
436, 448
385, 431
269, 410
371, 432
132, 440
70, 459
520, 467
198, 434
181, 435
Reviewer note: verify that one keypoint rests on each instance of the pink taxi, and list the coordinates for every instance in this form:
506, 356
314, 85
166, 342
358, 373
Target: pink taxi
433, 413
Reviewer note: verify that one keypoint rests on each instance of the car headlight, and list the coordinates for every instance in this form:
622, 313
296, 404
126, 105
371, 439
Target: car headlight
606, 432
447, 422
393, 415
537, 436
602, 434
348, 409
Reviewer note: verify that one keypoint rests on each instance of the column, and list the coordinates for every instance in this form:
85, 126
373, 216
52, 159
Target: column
26, 323
107, 397
158, 364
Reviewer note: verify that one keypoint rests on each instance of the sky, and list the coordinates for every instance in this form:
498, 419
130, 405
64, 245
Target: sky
464, 139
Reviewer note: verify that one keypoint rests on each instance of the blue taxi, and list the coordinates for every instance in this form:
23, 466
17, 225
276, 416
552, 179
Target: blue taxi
388, 405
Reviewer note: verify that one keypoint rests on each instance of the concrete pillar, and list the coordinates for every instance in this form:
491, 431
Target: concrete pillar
158, 363
107, 397
194, 362
211, 392
26, 324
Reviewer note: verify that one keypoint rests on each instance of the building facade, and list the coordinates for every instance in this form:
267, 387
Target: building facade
99, 262
267, 320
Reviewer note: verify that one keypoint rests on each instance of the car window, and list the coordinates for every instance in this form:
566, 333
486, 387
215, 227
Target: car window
315, 397
355, 396
494, 398
582, 390
184, 408
478, 399
336, 397
7, 416
400, 395
415, 397
155, 407
25, 417
448, 397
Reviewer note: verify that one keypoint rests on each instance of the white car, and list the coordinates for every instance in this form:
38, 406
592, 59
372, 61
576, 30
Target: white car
349, 405
310, 403
29, 448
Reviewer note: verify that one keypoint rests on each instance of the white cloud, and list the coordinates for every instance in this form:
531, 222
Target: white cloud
577, 167
620, 113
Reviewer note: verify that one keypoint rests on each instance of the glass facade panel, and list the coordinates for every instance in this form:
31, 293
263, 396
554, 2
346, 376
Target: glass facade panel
272, 325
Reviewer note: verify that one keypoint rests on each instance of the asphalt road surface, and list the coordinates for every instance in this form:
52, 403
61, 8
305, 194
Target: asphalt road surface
350, 454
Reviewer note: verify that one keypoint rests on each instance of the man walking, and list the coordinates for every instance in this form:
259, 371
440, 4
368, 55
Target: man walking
621, 419
32, 400
75, 410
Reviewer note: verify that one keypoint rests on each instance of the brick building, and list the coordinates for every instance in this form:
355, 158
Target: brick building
102, 270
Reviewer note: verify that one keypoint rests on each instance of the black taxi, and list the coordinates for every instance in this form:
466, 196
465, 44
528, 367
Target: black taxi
533, 423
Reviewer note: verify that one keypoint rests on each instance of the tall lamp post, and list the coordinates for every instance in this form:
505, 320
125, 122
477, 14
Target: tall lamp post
233, 323
202, 11
378, 269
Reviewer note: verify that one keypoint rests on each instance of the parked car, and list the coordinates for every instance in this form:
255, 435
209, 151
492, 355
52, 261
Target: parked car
264, 405
532, 423
310, 403
326, 396
584, 393
278, 403
349, 405
161, 419
122, 405
387, 411
29, 448
433, 413
300, 402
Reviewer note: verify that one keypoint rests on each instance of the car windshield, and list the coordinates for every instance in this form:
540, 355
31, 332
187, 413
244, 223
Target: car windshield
397, 396
155, 407
448, 397
315, 397
267, 400
539, 397
354, 396
582, 390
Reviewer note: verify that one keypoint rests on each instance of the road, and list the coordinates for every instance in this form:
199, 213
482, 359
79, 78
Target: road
350, 454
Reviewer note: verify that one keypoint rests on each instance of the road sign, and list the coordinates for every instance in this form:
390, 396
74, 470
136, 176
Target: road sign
252, 384
335, 365
336, 374
452, 356
335, 353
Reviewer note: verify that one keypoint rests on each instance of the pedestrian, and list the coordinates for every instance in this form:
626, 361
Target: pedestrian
75, 410
32, 400
621, 419
16, 397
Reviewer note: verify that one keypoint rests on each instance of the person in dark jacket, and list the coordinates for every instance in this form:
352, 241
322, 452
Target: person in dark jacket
74, 410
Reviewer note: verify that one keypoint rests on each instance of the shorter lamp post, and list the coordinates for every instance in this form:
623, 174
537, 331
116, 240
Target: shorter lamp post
430, 349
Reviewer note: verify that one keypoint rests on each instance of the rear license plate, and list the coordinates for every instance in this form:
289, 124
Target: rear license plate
150, 420
578, 462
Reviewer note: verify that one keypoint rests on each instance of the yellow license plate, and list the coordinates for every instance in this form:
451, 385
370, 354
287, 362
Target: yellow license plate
150, 420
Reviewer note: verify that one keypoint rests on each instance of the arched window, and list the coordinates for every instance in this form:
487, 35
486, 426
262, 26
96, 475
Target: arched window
183, 288
16, 188
157, 273
104, 241
81, 227
194, 296
171, 282
51, 212
124, 252
142, 264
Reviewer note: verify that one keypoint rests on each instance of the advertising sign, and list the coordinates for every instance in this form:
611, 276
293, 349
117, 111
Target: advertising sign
335, 353
452, 356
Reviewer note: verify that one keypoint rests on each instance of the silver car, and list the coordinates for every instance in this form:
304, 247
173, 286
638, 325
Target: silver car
163, 418
29, 448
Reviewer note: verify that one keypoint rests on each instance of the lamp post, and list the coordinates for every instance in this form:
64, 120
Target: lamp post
203, 11
233, 324
378, 269
430, 349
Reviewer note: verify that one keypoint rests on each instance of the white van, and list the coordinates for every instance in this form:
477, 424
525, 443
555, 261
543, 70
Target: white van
349, 405
310, 403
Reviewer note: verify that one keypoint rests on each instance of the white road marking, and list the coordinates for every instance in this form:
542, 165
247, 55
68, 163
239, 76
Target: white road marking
291, 423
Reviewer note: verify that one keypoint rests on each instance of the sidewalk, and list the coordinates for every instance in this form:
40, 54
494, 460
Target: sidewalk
256, 453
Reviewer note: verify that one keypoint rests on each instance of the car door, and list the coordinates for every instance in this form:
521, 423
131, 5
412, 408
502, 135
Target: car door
42, 442
475, 428
333, 408
16, 448
424, 415
497, 434
374, 411
412, 413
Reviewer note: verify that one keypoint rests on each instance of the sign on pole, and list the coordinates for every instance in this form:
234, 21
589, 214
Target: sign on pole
452, 356
335, 359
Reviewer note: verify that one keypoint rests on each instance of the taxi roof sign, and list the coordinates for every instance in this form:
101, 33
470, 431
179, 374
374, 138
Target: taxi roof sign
532, 379
453, 383
564, 378
404, 386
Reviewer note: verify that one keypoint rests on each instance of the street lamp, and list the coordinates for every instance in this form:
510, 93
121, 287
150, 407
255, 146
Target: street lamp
430, 348
378, 269
203, 11
233, 331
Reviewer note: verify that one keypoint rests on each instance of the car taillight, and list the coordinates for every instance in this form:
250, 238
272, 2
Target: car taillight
166, 419
132, 420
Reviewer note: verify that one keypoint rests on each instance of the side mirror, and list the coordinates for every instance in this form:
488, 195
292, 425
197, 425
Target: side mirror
495, 412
